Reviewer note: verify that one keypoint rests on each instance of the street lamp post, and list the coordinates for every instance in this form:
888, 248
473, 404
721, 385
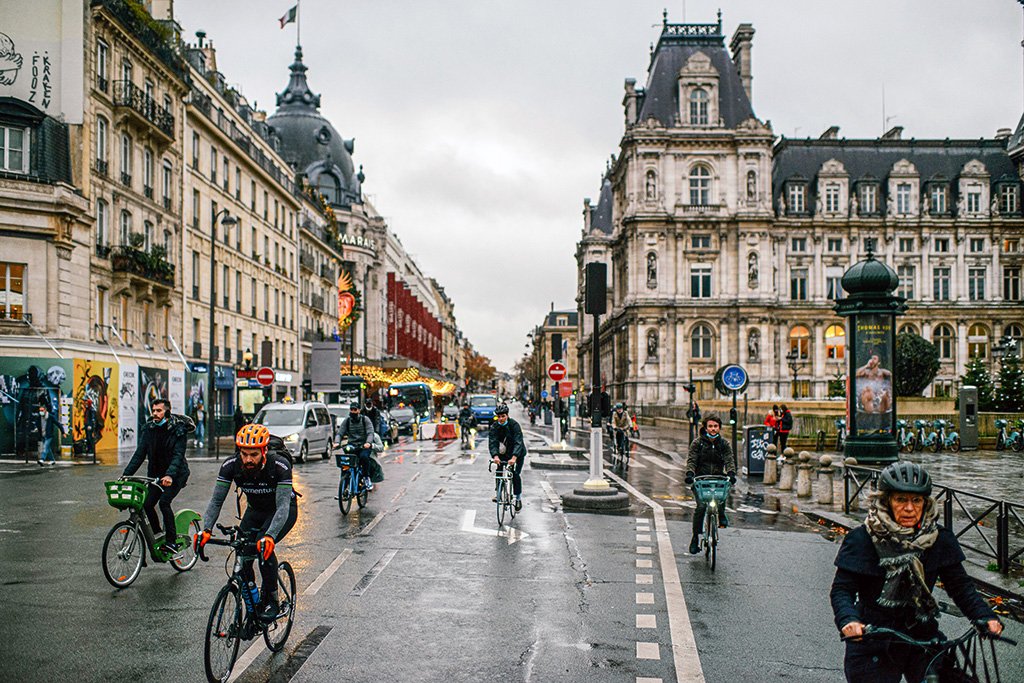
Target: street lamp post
793, 359
227, 221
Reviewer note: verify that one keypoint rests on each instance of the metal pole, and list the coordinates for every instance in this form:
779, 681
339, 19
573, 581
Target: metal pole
596, 480
734, 418
210, 438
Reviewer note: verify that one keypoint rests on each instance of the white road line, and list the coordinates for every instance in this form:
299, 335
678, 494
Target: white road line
647, 680
648, 651
644, 564
550, 492
401, 492
374, 522
684, 646
646, 621
643, 550
644, 598
643, 538
328, 573
258, 648
670, 466
645, 578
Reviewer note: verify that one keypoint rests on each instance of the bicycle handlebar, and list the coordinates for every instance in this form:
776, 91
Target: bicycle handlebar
877, 632
234, 539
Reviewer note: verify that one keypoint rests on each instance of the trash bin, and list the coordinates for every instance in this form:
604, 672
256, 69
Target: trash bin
756, 441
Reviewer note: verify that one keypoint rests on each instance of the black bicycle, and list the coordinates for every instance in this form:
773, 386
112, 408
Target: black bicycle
235, 613
964, 658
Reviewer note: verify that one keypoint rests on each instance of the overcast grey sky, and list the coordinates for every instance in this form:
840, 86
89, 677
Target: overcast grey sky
482, 124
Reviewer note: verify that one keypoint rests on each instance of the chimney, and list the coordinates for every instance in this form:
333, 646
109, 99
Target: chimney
831, 134
1003, 133
740, 45
161, 10
894, 133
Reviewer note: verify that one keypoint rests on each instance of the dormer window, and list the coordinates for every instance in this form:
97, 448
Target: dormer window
903, 199
797, 198
832, 198
868, 199
938, 196
699, 107
973, 198
1008, 199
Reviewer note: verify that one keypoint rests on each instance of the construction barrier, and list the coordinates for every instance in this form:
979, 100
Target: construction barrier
445, 430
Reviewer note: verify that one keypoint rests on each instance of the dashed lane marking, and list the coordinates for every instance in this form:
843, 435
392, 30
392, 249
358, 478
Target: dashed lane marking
437, 496
648, 651
368, 578
643, 598
646, 621
416, 521
644, 578
328, 573
401, 492
685, 657
647, 680
551, 494
373, 522
302, 652
643, 538
643, 550
644, 564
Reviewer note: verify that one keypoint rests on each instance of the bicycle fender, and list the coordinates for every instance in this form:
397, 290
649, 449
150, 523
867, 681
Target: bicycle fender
183, 519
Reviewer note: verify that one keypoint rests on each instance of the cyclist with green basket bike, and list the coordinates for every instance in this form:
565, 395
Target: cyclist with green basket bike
271, 512
709, 454
162, 442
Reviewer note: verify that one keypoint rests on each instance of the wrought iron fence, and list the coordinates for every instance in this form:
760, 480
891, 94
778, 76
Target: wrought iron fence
986, 526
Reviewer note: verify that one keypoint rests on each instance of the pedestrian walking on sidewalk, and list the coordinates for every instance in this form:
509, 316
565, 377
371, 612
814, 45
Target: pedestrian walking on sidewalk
885, 572
785, 426
710, 453
49, 423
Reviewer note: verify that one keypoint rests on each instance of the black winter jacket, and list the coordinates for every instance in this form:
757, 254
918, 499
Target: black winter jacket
786, 423
710, 456
511, 434
164, 446
859, 580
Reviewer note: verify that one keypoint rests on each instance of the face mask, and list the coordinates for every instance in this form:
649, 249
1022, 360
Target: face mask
712, 436
160, 423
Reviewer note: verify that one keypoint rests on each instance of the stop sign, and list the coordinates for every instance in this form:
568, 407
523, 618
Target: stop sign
265, 376
556, 371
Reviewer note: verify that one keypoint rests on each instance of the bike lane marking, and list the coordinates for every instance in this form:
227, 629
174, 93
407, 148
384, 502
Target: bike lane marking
685, 656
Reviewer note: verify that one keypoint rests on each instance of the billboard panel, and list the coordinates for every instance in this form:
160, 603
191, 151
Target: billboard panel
128, 408
96, 391
24, 384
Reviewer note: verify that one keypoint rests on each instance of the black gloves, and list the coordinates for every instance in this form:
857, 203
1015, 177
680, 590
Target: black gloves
732, 477
689, 478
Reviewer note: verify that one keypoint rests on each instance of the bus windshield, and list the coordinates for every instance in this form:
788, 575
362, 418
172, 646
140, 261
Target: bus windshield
416, 395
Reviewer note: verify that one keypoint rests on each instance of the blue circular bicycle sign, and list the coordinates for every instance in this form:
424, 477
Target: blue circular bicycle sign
734, 378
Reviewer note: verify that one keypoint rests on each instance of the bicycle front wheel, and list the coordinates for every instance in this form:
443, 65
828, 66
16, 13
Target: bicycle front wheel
1017, 445
188, 556
954, 445
276, 633
223, 634
123, 552
714, 543
510, 502
501, 503
710, 522
345, 492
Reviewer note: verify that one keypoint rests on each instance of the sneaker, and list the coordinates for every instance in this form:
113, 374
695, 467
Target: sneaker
494, 499
269, 612
41, 462
694, 545
171, 548
519, 504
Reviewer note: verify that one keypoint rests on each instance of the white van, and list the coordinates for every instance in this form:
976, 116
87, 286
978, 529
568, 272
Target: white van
305, 427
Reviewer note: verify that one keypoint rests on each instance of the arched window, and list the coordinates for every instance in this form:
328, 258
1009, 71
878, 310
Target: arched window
652, 344
835, 342
700, 185
1016, 333
652, 270
701, 342
977, 341
330, 188
699, 107
102, 223
908, 328
942, 337
800, 341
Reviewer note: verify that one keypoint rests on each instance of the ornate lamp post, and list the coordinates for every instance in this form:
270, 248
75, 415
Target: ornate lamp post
793, 360
871, 308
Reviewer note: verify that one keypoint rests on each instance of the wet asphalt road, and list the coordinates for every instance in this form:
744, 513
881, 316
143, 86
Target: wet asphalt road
423, 588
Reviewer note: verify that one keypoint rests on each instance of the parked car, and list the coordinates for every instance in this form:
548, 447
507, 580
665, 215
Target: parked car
304, 427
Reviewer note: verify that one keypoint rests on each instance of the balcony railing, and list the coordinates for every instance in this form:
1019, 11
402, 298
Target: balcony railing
131, 96
148, 191
126, 179
102, 84
103, 167
103, 251
197, 349
307, 261
142, 264
167, 203
328, 272
149, 32
317, 302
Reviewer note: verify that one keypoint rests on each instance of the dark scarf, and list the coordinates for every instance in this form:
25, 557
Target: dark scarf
899, 551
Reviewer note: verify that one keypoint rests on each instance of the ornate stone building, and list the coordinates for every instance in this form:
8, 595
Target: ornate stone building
725, 246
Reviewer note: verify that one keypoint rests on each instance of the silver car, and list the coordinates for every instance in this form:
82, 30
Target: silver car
304, 427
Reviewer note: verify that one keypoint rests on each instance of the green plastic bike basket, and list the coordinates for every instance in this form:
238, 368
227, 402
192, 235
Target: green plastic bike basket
125, 495
712, 489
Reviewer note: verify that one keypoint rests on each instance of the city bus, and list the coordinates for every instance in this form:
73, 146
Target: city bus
416, 395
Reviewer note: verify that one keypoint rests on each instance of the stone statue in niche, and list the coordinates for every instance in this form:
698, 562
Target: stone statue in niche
853, 204
754, 346
652, 270
651, 188
751, 187
652, 344
753, 275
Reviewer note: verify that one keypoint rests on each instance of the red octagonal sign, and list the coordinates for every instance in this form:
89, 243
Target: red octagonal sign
557, 371
265, 376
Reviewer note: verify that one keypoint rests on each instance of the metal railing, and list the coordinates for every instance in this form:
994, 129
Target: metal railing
982, 524
127, 94
127, 259
148, 32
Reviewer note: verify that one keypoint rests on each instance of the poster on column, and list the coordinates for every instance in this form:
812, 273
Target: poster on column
176, 391
25, 384
873, 379
95, 419
152, 385
128, 408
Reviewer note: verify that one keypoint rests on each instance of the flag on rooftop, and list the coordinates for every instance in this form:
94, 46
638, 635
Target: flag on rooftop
289, 16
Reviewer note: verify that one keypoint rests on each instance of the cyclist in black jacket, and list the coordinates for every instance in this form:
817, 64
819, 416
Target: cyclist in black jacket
507, 448
271, 506
163, 441
709, 453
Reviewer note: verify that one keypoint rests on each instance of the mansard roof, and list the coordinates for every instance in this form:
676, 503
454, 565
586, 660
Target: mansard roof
1016, 141
875, 158
679, 42
552, 318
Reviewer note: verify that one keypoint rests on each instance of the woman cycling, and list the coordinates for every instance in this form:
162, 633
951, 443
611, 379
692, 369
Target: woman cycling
886, 570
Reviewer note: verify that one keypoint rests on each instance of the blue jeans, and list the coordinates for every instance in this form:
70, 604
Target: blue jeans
200, 432
47, 455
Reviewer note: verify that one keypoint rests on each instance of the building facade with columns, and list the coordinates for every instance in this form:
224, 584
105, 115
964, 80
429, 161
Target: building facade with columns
726, 246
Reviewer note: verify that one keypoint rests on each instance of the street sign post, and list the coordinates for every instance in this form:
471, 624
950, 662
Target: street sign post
732, 379
265, 376
557, 371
